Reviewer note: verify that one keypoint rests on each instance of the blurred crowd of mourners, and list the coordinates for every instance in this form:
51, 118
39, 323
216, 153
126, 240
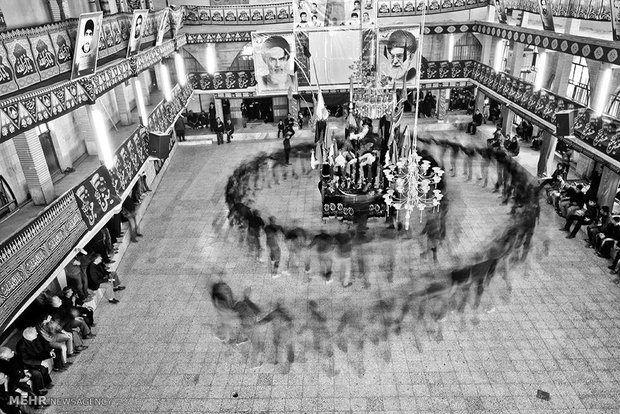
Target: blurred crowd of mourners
275, 332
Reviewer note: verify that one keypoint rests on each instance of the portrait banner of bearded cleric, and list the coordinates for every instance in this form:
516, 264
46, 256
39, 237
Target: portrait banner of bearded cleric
87, 45
398, 54
274, 63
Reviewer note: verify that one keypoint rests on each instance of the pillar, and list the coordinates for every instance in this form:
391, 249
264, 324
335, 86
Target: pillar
607, 189
85, 128
442, 103
546, 162
507, 118
34, 166
219, 109
145, 81
235, 112
92, 5
65, 9
138, 95
124, 106
559, 64
158, 76
56, 11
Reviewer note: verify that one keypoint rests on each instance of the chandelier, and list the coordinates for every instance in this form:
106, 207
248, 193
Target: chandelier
369, 97
413, 185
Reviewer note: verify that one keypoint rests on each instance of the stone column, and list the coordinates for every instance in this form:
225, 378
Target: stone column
547, 152
219, 109
124, 105
137, 93
507, 118
235, 112
442, 103
65, 9
145, 80
55, 10
85, 127
608, 188
34, 166
92, 5
159, 77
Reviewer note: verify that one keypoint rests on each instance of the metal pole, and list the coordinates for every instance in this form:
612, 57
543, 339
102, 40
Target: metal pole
418, 73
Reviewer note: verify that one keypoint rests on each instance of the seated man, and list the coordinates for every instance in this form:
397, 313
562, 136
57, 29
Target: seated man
203, 120
58, 339
475, 123
603, 223
608, 240
71, 301
586, 215
574, 197
512, 146
192, 119
10, 398
98, 274
29, 380
36, 353
69, 318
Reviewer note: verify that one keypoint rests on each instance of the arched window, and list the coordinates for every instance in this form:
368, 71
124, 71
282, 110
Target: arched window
467, 48
579, 81
244, 59
613, 106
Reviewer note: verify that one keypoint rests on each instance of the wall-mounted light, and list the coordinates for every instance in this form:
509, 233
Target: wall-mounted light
450, 48
165, 80
211, 58
179, 65
603, 92
103, 138
541, 64
140, 102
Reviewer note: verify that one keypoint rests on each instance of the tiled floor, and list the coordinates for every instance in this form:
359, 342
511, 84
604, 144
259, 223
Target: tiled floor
156, 351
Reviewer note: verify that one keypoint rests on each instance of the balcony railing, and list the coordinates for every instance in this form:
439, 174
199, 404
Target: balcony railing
31, 255
38, 53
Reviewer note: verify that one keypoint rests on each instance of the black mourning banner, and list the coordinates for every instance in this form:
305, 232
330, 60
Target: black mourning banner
128, 160
222, 80
96, 196
349, 206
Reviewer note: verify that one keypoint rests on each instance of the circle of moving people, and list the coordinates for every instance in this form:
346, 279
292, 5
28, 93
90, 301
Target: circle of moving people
240, 320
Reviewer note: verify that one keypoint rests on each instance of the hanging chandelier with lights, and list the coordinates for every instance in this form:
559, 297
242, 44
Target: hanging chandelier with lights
413, 185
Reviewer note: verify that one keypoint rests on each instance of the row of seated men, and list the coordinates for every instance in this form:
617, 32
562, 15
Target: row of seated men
56, 326
577, 203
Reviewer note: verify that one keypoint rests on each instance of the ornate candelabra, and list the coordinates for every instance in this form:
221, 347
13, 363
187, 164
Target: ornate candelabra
413, 185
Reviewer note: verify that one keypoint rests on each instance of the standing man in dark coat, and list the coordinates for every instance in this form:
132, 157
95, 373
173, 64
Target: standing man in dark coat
179, 128
475, 123
219, 130
287, 145
212, 116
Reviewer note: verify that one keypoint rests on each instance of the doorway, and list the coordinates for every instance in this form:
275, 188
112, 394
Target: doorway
259, 109
48, 150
